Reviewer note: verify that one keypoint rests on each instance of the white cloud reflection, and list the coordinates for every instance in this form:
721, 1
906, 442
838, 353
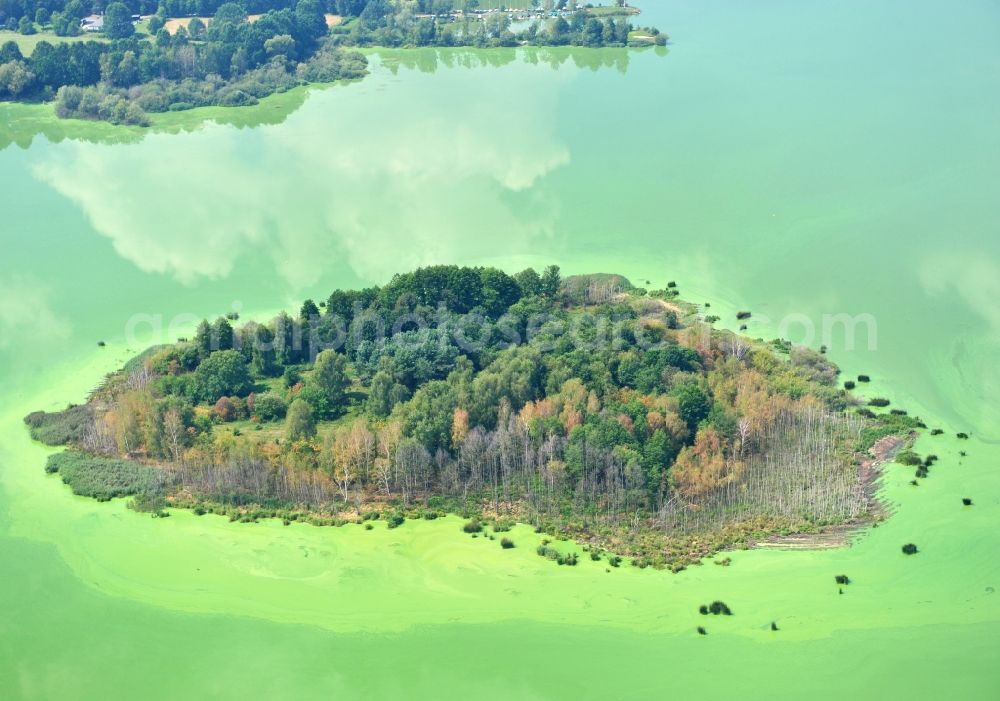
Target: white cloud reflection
380, 175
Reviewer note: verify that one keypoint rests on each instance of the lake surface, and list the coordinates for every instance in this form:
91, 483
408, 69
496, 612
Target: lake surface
801, 160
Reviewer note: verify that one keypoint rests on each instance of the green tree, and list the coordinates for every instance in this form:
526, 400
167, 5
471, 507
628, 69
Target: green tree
330, 377
262, 357
300, 423
550, 281
280, 45
196, 29
693, 403
529, 281
223, 373
15, 78
26, 26
118, 21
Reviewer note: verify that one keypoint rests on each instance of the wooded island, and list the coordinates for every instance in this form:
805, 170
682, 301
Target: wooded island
586, 406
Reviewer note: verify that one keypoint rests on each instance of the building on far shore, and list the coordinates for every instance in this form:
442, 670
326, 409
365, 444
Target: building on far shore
92, 23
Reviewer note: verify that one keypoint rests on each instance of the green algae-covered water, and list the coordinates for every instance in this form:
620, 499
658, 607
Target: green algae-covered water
800, 160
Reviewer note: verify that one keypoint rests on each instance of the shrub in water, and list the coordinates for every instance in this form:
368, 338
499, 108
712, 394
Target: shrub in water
506, 543
908, 457
614, 561
396, 519
864, 378
921, 472
703, 610
967, 501
595, 555
702, 631
742, 315
472, 526
898, 412
849, 384
718, 607
774, 626
909, 549
962, 435
878, 401
842, 579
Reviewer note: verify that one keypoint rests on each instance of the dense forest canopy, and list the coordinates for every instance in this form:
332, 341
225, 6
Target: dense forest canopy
583, 405
233, 53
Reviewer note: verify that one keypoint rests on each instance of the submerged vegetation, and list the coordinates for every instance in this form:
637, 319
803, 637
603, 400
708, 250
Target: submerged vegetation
584, 406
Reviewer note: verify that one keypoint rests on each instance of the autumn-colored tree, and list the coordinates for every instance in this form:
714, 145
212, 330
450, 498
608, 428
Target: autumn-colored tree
460, 426
703, 466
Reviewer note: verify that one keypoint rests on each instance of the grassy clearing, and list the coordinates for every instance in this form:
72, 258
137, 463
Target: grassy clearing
28, 43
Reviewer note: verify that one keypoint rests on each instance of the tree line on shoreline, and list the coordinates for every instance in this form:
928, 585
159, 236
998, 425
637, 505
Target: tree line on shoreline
230, 60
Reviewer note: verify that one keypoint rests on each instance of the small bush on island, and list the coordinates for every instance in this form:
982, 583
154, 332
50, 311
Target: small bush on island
702, 631
718, 607
966, 501
774, 626
849, 385
149, 503
930, 460
472, 526
878, 401
740, 316
842, 579
936, 431
864, 378
506, 543
909, 549
553, 554
921, 472
962, 435
703, 610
